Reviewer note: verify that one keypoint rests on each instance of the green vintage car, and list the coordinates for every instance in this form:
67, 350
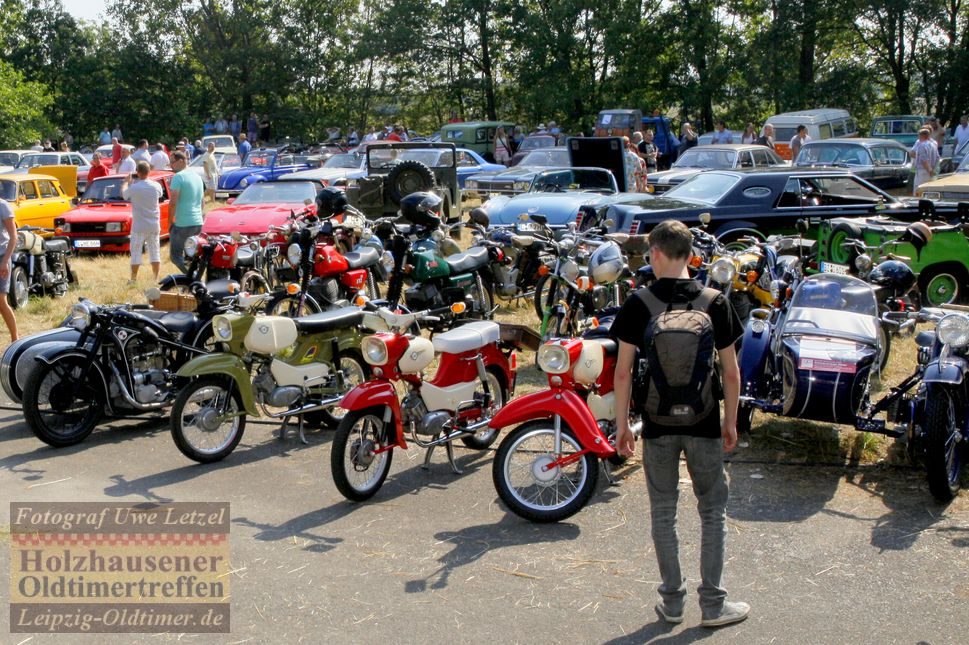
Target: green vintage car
942, 265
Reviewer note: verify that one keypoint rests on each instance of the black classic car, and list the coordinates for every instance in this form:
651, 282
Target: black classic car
726, 156
881, 162
760, 202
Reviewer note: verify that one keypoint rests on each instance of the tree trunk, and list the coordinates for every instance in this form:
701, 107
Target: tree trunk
487, 73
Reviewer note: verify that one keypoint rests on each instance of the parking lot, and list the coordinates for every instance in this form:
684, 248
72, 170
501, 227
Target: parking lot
823, 553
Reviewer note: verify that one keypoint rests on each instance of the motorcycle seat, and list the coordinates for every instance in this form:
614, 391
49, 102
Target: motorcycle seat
474, 258
179, 322
57, 244
365, 257
468, 337
335, 319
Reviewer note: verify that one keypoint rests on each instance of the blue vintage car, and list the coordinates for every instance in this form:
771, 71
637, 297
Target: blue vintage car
517, 179
263, 164
560, 194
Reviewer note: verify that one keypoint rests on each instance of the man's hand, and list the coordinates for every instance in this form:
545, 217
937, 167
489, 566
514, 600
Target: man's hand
4, 271
728, 430
625, 442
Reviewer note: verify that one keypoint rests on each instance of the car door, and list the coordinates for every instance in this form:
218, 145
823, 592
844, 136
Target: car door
163, 205
882, 173
900, 164
28, 204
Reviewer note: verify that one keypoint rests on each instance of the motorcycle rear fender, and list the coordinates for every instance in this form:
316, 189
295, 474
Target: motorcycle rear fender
224, 364
373, 393
754, 351
173, 280
57, 353
952, 371
564, 403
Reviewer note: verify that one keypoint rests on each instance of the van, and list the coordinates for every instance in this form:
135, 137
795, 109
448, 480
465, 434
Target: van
618, 123
476, 135
824, 123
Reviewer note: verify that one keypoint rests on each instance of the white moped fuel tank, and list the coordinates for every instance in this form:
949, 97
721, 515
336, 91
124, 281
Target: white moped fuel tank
309, 374
449, 397
419, 354
603, 408
270, 334
588, 366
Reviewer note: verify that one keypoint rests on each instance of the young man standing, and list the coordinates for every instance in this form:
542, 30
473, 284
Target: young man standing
672, 427
926, 156
185, 208
144, 194
211, 167
8, 244
798, 141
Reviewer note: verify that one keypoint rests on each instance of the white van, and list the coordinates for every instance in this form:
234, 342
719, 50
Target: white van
824, 123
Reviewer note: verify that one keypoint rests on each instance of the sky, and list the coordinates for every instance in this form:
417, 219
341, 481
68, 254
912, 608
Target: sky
85, 9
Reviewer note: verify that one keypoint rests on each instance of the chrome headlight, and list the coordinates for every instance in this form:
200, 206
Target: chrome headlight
80, 316
521, 186
374, 350
863, 262
569, 270
471, 185
723, 271
758, 326
953, 330
553, 359
294, 254
112, 227
222, 327
244, 182
191, 247
931, 194
437, 235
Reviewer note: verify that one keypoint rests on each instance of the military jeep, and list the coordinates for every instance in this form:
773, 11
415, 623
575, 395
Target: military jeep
395, 170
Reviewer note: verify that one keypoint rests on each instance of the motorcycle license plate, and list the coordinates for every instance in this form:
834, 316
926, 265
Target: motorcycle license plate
87, 244
528, 227
831, 267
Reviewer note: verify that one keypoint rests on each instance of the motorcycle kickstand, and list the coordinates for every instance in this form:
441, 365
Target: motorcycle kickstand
427, 458
302, 437
607, 471
450, 457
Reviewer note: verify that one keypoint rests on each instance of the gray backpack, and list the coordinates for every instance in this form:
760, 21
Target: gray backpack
679, 383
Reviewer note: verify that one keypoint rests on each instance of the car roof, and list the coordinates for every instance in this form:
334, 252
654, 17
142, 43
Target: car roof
891, 117
819, 114
731, 146
546, 149
27, 176
859, 141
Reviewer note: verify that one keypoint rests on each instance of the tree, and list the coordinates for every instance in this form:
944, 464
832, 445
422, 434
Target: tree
22, 105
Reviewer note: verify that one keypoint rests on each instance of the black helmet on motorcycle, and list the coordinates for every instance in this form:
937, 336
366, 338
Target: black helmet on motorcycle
893, 274
421, 208
331, 201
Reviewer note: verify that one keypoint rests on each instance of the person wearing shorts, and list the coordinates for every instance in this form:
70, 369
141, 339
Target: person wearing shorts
8, 244
211, 167
144, 195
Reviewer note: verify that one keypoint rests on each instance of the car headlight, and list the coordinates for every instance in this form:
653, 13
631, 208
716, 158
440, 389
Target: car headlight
863, 262
374, 350
65, 227
723, 271
521, 186
569, 270
191, 247
80, 316
222, 327
471, 184
953, 330
112, 227
930, 194
244, 182
294, 254
553, 359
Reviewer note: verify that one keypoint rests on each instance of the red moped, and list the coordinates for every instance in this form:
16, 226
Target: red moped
547, 468
474, 379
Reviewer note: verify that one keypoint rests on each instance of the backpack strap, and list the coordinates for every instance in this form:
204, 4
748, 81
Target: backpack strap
653, 304
703, 301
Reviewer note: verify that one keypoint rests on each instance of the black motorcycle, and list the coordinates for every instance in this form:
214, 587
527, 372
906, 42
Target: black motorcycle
39, 266
122, 362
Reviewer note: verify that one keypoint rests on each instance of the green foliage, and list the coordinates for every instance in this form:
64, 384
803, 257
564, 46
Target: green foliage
22, 106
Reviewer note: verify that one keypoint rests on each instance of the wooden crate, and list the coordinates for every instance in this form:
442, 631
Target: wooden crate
168, 301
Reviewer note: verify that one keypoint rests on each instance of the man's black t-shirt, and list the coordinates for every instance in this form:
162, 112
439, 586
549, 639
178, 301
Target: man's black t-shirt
631, 322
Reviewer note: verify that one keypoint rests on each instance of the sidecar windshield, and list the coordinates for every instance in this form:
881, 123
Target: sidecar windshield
836, 305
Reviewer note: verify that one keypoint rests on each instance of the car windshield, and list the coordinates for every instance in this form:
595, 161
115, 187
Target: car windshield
547, 158
260, 159
104, 190
9, 158
707, 187
963, 165
574, 179
530, 143
432, 158
814, 154
710, 158
289, 192
39, 160
8, 190
343, 161
220, 142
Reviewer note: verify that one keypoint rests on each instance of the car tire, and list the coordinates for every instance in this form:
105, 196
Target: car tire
406, 177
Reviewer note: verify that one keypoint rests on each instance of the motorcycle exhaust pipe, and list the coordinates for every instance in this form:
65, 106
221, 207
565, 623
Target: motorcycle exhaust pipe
451, 436
309, 407
130, 399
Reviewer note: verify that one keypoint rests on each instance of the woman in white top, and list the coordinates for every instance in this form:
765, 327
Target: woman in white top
749, 135
502, 147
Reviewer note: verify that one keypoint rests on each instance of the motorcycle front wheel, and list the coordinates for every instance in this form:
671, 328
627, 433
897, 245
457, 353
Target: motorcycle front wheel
60, 404
944, 452
358, 471
542, 495
208, 419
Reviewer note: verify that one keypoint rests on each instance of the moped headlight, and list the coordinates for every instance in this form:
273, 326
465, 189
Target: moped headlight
863, 262
112, 227
553, 359
191, 247
723, 271
294, 254
374, 350
80, 316
222, 327
521, 186
953, 330
569, 270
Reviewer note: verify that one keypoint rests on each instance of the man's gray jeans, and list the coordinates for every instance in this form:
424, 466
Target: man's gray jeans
704, 460
176, 244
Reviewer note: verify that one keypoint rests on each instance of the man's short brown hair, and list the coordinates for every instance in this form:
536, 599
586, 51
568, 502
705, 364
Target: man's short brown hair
673, 239
143, 168
178, 155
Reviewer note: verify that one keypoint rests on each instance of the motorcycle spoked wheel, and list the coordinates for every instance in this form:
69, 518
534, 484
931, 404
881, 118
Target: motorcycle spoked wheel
496, 385
355, 371
199, 426
19, 292
546, 292
289, 306
358, 472
534, 494
60, 407
945, 454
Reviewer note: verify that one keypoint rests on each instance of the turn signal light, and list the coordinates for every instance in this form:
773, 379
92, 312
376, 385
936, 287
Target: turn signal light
696, 261
513, 361
752, 277
233, 288
58, 231
594, 322
361, 300
458, 308
584, 283
292, 288
543, 270
407, 268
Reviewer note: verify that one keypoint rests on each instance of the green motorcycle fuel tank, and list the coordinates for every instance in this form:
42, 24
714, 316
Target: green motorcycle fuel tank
428, 264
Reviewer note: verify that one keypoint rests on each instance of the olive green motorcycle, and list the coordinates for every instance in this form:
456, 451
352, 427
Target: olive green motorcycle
271, 366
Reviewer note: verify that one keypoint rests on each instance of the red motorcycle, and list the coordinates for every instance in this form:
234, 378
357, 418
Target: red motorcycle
547, 468
474, 379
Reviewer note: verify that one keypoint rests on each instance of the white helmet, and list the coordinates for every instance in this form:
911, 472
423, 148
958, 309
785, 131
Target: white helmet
607, 263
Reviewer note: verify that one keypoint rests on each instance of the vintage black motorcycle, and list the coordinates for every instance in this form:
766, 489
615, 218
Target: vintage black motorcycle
39, 266
123, 362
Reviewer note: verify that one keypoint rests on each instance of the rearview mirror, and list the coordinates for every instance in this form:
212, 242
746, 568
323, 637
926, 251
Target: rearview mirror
480, 217
705, 218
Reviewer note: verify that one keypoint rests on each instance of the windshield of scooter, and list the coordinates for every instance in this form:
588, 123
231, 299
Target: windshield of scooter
836, 305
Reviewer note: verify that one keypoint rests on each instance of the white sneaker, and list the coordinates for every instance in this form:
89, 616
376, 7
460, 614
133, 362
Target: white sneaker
730, 613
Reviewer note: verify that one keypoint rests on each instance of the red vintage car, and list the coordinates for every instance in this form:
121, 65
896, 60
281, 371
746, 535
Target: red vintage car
261, 205
101, 222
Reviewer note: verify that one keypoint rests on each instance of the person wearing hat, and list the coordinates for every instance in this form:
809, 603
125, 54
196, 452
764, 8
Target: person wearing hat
541, 129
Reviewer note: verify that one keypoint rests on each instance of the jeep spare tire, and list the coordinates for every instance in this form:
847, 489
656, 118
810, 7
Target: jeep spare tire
406, 177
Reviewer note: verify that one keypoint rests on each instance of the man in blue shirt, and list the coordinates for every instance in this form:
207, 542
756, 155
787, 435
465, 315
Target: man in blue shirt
722, 134
244, 146
185, 208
